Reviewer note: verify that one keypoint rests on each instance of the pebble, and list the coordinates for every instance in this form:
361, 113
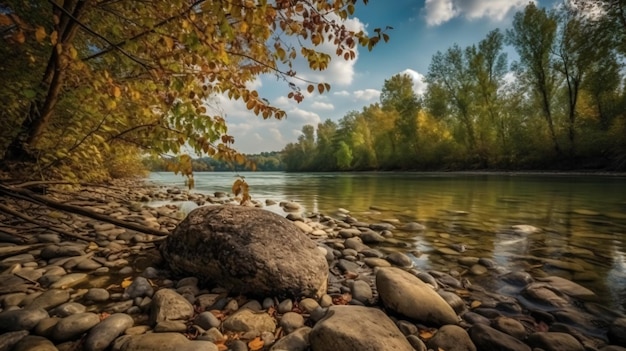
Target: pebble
291, 321
207, 320
22, 319
285, 306
71, 327
103, 334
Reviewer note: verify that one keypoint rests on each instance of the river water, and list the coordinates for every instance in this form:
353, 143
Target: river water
582, 218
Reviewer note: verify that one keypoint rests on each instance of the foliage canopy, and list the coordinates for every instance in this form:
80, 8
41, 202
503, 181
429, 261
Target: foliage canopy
87, 80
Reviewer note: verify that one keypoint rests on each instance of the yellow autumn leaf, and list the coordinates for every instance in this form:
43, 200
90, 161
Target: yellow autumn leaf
237, 187
475, 304
73, 53
40, 34
126, 282
54, 36
116, 92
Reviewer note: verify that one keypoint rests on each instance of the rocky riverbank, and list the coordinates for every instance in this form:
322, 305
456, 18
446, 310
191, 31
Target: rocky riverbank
106, 288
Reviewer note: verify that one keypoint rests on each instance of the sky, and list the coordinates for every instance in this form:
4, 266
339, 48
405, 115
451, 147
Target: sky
420, 29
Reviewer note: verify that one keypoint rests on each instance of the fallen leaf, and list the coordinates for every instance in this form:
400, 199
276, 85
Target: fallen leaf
126, 282
425, 334
475, 304
256, 344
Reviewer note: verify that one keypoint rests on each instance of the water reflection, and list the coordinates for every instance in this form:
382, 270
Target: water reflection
582, 219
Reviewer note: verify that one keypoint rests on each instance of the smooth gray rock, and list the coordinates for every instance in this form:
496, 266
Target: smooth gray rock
164, 342
454, 300
357, 328
355, 244
543, 293
451, 338
510, 326
50, 298
407, 295
285, 306
140, 287
568, 287
361, 291
69, 280
246, 320
399, 259
291, 321
207, 320
8, 340
417, 343
97, 295
103, 334
170, 326
167, 304
68, 309
71, 327
34, 343
248, 250
485, 337
550, 341
22, 319
298, 340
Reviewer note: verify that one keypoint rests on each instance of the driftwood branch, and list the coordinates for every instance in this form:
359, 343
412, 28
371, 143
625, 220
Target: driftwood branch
12, 212
27, 195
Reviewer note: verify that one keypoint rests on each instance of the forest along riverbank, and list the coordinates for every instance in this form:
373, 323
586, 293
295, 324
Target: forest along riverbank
105, 286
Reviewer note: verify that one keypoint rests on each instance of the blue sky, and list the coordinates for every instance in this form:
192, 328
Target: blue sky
421, 28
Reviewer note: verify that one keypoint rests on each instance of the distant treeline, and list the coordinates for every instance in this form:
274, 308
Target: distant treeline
561, 106
265, 162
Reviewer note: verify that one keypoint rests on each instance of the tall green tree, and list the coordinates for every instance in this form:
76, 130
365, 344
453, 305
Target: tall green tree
398, 96
534, 36
450, 72
488, 64
325, 138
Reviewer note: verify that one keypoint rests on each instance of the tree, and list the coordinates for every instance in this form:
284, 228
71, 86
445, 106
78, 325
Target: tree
488, 65
98, 73
533, 37
344, 156
449, 72
325, 159
398, 96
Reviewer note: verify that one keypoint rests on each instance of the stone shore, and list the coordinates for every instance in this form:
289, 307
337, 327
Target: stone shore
112, 291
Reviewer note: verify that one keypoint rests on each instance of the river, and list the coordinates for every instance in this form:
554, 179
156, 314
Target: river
582, 218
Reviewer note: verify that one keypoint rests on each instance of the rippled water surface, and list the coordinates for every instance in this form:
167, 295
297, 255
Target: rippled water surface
582, 217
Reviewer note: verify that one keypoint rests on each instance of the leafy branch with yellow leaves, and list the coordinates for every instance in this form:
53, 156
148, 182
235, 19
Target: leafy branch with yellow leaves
151, 68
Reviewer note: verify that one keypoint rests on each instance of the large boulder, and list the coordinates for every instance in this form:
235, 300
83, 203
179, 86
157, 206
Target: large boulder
407, 295
357, 328
247, 250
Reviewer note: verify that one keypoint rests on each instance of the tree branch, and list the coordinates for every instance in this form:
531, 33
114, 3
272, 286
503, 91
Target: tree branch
144, 33
27, 195
94, 33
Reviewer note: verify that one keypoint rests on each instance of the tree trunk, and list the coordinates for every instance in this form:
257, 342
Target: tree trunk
42, 109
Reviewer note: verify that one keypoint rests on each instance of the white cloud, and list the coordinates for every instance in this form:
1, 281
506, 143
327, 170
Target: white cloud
322, 106
367, 94
419, 85
440, 11
303, 116
276, 134
282, 101
342, 93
